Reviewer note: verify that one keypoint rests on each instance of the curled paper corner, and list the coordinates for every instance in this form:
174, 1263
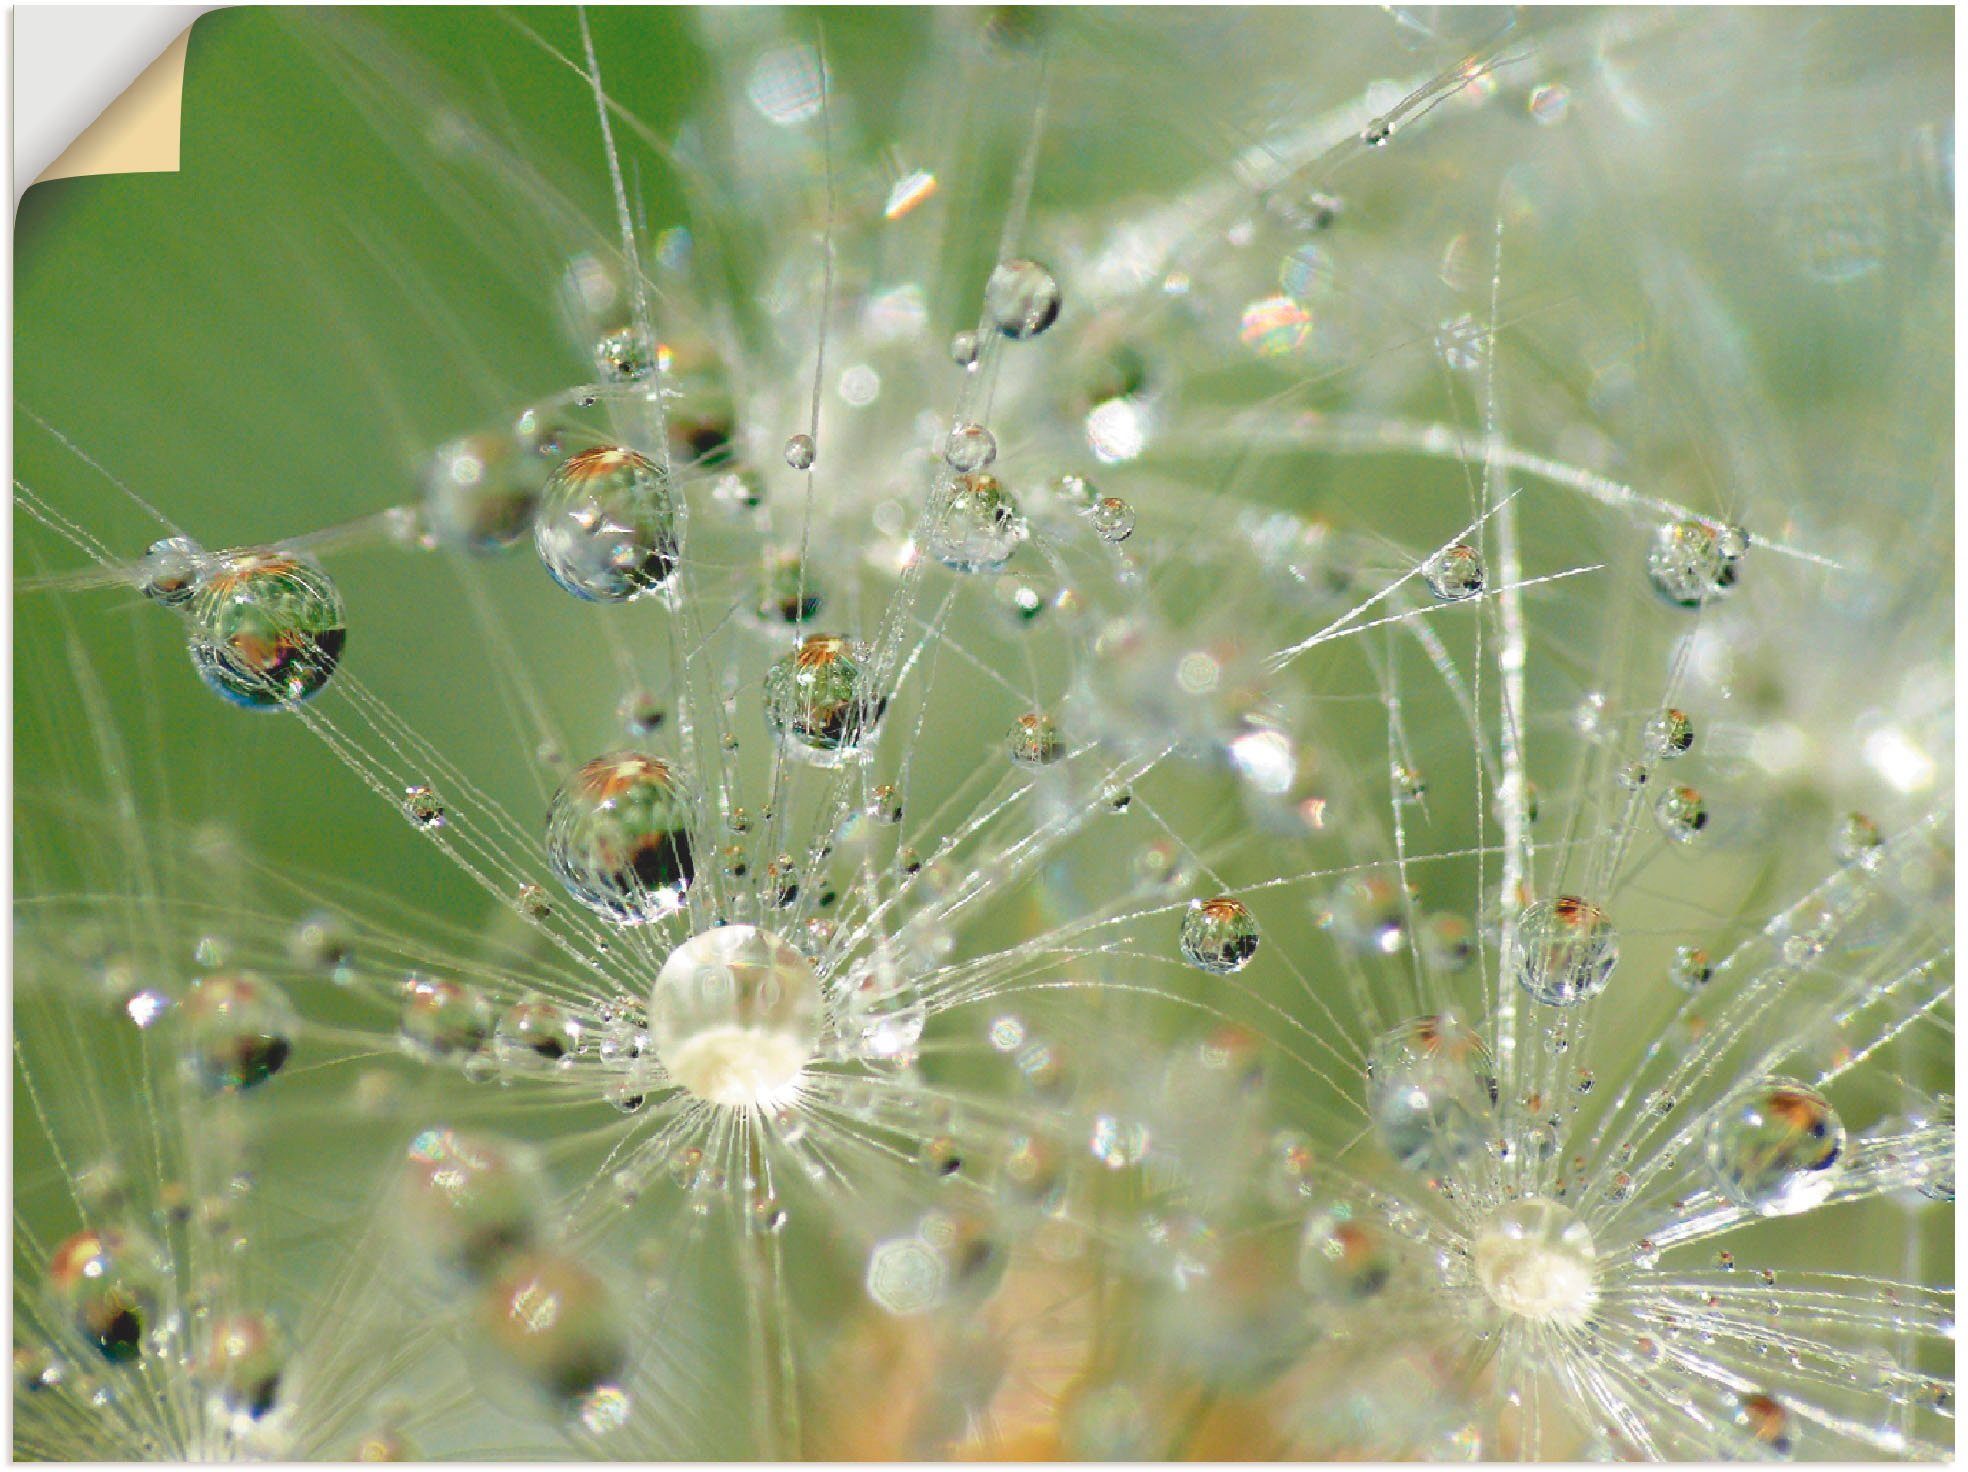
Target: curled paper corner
138, 131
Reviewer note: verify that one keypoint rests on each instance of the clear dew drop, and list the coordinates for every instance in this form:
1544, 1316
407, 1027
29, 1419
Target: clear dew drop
801, 451
1431, 1093
1775, 1147
109, 1283
1681, 814
1219, 935
1346, 1255
735, 1016
821, 696
554, 1323
1535, 1259
170, 570
1034, 741
606, 528
1693, 562
266, 629
1667, 735
1857, 841
1690, 969
978, 526
422, 807
618, 837
623, 356
1567, 949
441, 1018
1454, 573
964, 349
1021, 299
969, 447
640, 713
239, 1030
1112, 519
470, 1199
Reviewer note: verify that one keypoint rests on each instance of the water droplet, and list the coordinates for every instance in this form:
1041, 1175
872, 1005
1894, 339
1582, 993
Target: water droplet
109, 1282
244, 1358
554, 1322
1021, 299
800, 451
1112, 519
640, 713
1667, 735
536, 1026
1219, 935
1034, 741
239, 1029
1377, 132
789, 589
884, 1014
1567, 949
1690, 969
969, 447
422, 808
1454, 573
171, 570
1688, 564
978, 526
266, 629
1681, 814
1431, 1093
821, 695
1346, 1255
623, 356
618, 837
443, 1018
1857, 841
1776, 1147
735, 1016
606, 528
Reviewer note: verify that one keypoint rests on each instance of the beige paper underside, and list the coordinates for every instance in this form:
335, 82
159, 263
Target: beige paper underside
138, 132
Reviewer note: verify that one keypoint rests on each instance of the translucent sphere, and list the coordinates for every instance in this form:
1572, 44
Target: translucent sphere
978, 527
554, 1321
481, 492
1535, 1259
821, 695
606, 527
735, 1016
623, 356
1034, 740
1776, 1147
1692, 563
538, 1028
800, 451
1021, 299
1346, 1256
1668, 735
109, 1284
239, 1029
1431, 1093
471, 1200
1112, 519
171, 569
789, 589
1566, 950
245, 1355
1681, 813
618, 836
443, 1018
1219, 935
267, 629
969, 447
1454, 573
